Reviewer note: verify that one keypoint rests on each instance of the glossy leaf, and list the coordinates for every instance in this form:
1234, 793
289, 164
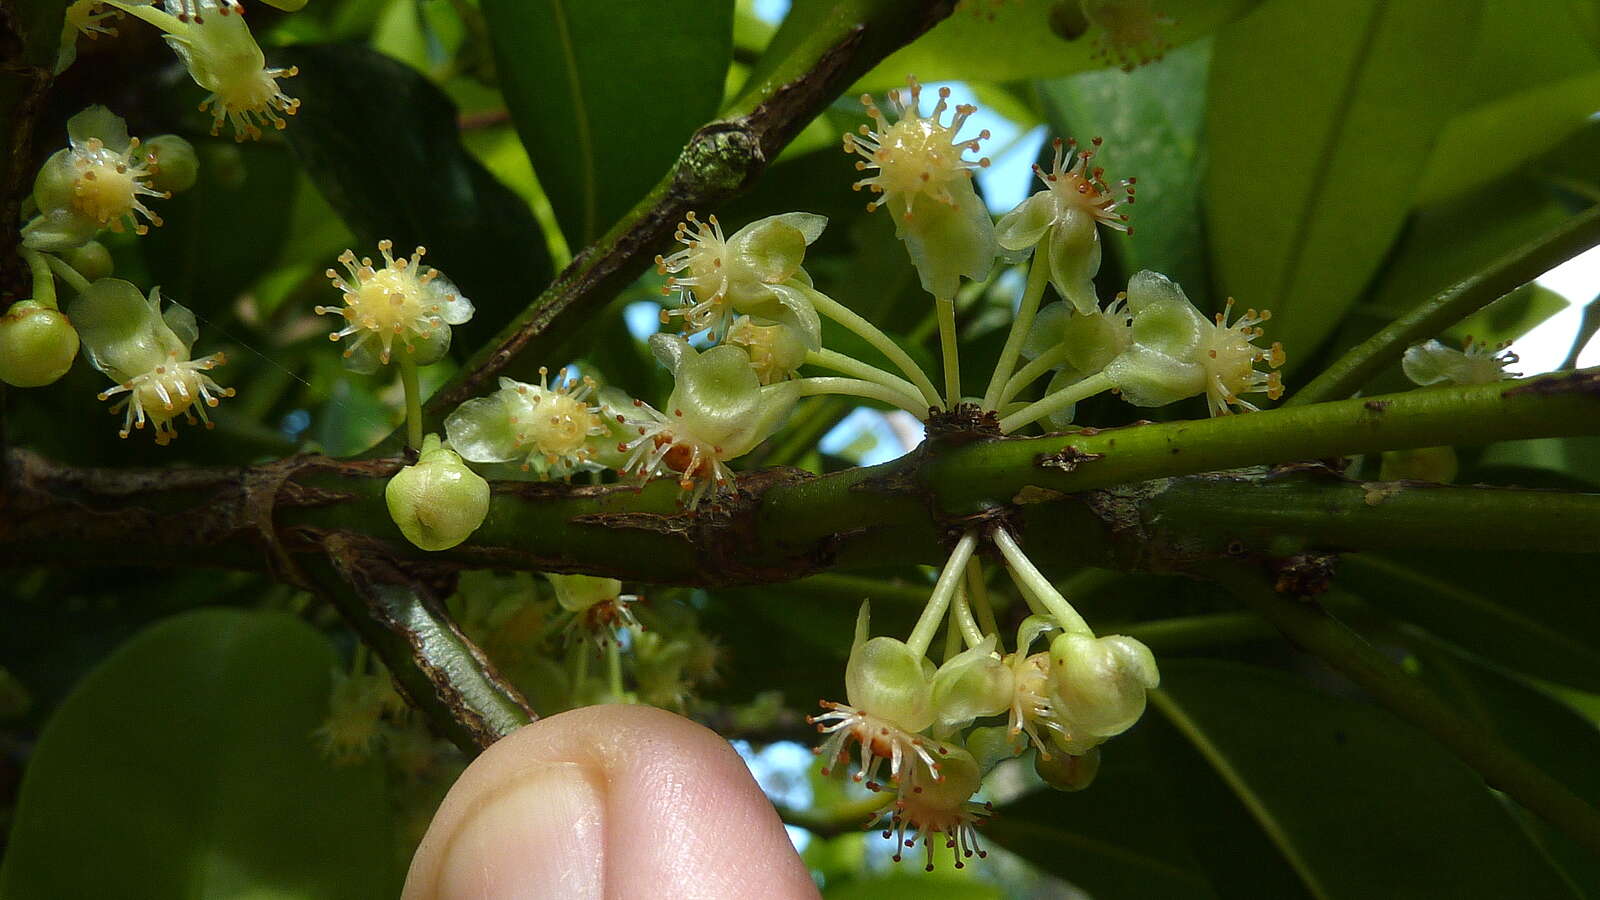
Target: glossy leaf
1120, 837
1321, 119
389, 159
1015, 40
1510, 317
185, 766
207, 253
605, 95
1550, 734
1522, 615
1358, 802
1530, 82
1498, 137
1150, 119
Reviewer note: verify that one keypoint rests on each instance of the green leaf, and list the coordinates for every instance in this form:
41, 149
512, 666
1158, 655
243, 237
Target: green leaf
1517, 611
1513, 130
382, 145
1150, 119
1121, 837
1510, 317
1321, 120
1549, 733
184, 766
1359, 803
225, 232
1573, 463
1015, 40
605, 95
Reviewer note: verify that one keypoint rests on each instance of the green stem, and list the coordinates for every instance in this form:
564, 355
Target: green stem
884, 344
943, 589
1038, 277
1028, 373
432, 661
849, 365
68, 274
44, 287
580, 664
1310, 627
1032, 581
1431, 317
408, 380
1056, 401
614, 668
1561, 405
950, 353
856, 387
980, 597
961, 613
952, 629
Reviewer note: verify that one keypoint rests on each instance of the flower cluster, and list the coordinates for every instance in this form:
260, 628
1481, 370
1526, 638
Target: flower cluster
922, 729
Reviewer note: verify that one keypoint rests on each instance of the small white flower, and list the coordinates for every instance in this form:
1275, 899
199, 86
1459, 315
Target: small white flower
404, 302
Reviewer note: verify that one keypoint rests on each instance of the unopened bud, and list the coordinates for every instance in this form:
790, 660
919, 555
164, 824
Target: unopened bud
37, 344
439, 502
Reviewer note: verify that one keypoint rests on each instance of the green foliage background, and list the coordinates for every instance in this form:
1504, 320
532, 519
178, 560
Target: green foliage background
1336, 161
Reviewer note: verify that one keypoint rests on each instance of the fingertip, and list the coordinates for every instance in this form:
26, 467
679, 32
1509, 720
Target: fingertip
617, 801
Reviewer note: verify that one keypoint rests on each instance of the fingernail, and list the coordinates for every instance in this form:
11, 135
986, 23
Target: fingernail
541, 835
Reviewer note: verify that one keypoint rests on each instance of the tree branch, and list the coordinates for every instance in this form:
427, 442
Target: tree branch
1116, 499
437, 667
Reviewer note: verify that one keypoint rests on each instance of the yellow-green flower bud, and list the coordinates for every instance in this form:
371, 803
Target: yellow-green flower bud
1068, 772
776, 351
577, 593
92, 260
37, 344
992, 744
173, 163
439, 502
970, 685
1421, 464
1097, 687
